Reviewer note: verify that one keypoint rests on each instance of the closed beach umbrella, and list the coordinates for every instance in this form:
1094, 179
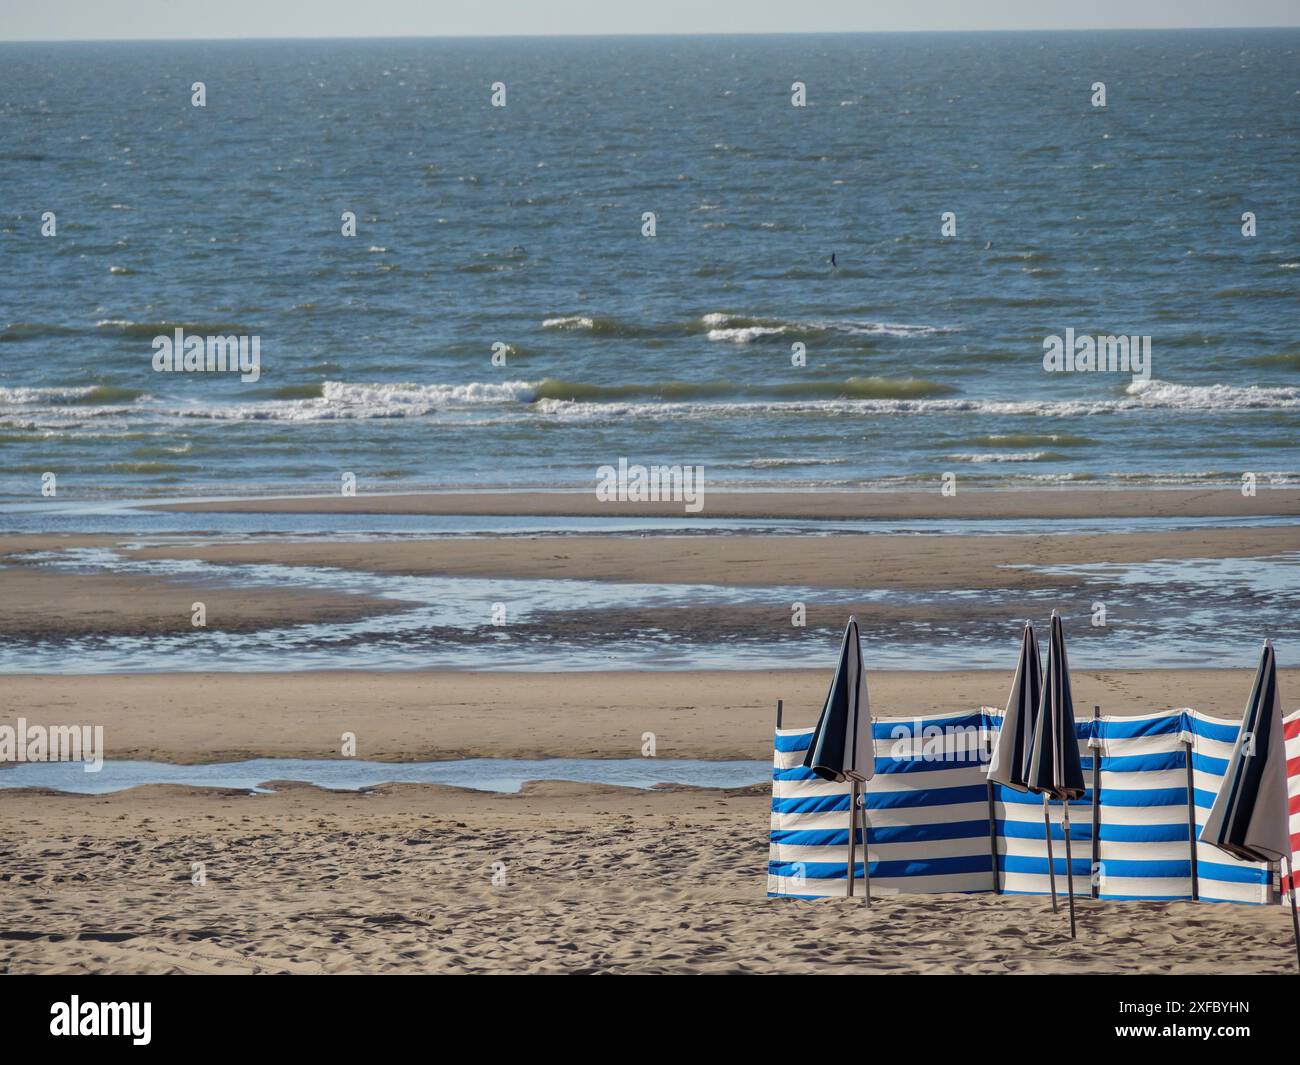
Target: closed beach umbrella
1250, 819
1055, 771
843, 747
1009, 763
1054, 766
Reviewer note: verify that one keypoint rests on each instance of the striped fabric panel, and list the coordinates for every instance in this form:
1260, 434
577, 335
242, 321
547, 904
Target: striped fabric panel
1291, 736
929, 815
928, 807
1144, 849
1222, 877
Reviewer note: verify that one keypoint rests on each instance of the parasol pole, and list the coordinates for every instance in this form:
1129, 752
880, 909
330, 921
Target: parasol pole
1094, 742
1295, 917
853, 836
993, 817
1069, 864
1191, 819
866, 854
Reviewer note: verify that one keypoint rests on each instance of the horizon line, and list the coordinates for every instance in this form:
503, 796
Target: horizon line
632, 35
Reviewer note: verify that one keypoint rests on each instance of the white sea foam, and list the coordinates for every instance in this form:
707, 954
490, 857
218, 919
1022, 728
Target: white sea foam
569, 321
1001, 456
743, 329
27, 396
476, 399
340, 400
1158, 393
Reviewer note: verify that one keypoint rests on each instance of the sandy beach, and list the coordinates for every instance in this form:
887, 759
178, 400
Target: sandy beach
598, 879
419, 716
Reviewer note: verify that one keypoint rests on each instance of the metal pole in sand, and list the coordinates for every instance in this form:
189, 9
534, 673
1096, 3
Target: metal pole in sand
866, 854
1051, 862
1191, 820
853, 837
1069, 864
1095, 743
993, 840
1295, 919
993, 818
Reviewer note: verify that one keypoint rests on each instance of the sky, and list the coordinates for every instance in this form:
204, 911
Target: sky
184, 19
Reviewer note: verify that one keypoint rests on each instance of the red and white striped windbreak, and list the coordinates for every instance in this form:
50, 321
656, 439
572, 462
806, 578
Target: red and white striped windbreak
1291, 735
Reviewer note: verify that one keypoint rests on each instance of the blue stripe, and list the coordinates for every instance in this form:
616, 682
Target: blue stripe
882, 800
1027, 798
886, 767
907, 728
1034, 830
800, 741
1207, 764
1017, 863
1224, 733
892, 800
1144, 763
978, 863
1232, 874
832, 837
1134, 728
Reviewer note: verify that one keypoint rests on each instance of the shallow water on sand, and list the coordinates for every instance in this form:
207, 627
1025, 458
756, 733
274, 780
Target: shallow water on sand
1190, 612
479, 774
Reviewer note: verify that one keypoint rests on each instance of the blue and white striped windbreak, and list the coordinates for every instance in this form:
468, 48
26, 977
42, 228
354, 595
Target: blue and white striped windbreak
930, 821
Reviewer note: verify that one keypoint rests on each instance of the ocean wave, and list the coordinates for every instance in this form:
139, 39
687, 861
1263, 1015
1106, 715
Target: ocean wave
341, 400
861, 387
577, 401
777, 463
87, 395
1284, 359
1031, 440
605, 327
737, 328
126, 327
16, 331
743, 329
1157, 393
1009, 456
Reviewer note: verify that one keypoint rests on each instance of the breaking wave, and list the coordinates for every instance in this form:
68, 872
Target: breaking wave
737, 328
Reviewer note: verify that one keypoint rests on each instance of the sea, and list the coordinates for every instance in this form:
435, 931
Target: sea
632, 258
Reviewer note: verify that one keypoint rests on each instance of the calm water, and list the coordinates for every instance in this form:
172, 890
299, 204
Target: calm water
522, 226
479, 774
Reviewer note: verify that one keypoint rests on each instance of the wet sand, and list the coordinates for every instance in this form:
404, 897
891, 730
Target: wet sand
1072, 502
425, 716
850, 561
